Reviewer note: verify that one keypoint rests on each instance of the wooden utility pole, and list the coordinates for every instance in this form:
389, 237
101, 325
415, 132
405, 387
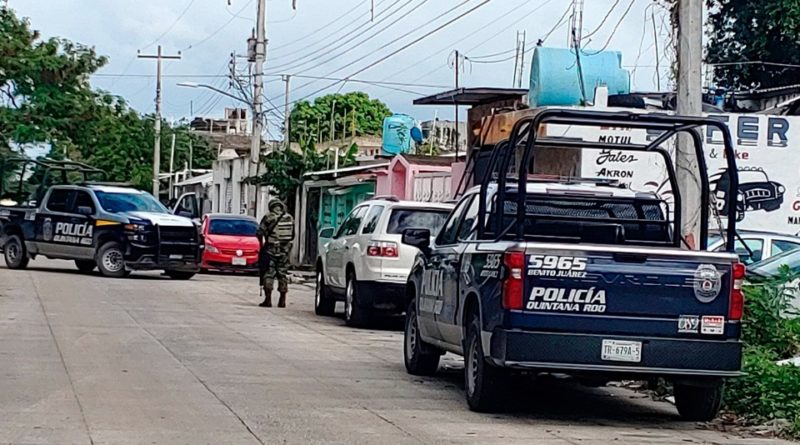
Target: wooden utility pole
689, 103
287, 122
157, 125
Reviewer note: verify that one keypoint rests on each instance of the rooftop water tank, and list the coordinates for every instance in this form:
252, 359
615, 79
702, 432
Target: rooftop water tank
397, 134
555, 80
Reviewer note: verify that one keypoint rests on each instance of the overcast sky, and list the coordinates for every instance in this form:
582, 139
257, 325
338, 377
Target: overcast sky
333, 38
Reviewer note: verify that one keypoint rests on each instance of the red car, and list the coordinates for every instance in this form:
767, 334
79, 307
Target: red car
231, 243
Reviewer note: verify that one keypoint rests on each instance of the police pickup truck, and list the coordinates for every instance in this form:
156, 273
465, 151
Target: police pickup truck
579, 277
115, 229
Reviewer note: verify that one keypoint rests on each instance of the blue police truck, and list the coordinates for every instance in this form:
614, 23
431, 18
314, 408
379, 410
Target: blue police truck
578, 276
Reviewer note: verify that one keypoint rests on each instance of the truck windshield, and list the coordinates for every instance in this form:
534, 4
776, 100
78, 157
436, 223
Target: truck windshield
232, 227
129, 202
402, 219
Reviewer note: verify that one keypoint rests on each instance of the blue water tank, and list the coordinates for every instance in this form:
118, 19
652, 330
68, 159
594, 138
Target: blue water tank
555, 81
397, 134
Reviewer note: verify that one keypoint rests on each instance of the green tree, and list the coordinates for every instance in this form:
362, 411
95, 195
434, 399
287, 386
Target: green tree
755, 31
364, 116
46, 98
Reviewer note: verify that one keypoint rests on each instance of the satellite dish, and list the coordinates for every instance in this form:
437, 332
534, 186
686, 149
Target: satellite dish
416, 135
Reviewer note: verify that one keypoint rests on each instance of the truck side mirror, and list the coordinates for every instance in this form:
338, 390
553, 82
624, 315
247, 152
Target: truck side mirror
326, 232
419, 238
85, 210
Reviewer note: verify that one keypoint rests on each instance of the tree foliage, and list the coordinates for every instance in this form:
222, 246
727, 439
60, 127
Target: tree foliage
312, 120
755, 31
46, 99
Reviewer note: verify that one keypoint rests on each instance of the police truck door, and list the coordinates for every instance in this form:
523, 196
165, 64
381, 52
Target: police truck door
52, 215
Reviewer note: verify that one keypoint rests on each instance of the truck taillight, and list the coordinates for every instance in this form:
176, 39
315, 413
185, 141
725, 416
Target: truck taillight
382, 249
513, 283
736, 305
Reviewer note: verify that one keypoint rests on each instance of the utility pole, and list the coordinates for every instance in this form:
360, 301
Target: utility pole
258, 56
333, 111
344, 126
576, 28
516, 62
191, 155
458, 55
171, 165
522, 60
519, 59
689, 103
157, 145
287, 122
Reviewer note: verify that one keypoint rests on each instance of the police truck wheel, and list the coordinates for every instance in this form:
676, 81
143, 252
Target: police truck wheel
110, 260
485, 385
698, 403
323, 304
179, 275
354, 314
85, 266
420, 357
15, 253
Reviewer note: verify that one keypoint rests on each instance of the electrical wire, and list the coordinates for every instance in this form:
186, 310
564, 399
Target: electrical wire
178, 19
398, 50
402, 37
602, 22
297, 63
218, 30
316, 31
550, 32
613, 31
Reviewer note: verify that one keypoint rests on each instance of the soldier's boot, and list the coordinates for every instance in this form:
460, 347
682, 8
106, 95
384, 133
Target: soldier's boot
282, 300
267, 298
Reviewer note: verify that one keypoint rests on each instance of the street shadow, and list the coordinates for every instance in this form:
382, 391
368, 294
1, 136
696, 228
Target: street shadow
564, 399
95, 273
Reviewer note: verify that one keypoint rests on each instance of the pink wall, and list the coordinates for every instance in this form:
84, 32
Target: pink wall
399, 179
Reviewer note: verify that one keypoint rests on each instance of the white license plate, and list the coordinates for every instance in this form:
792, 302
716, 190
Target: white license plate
622, 351
239, 261
176, 257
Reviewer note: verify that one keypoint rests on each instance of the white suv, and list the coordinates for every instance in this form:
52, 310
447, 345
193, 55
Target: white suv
365, 264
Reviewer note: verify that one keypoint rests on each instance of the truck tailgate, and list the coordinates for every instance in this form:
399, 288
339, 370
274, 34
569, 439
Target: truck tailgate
620, 290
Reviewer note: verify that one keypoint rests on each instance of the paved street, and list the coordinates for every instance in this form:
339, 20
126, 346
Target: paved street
88, 360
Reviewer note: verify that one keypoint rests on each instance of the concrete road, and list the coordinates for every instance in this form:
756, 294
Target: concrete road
148, 360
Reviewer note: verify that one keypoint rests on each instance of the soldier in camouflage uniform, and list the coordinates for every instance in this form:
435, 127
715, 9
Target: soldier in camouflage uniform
276, 233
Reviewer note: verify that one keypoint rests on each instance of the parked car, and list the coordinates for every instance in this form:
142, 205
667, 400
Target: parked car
231, 243
765, 270
757, 246
365, 264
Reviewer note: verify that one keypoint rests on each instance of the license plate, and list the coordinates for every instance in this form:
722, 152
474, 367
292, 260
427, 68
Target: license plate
622, 351
239, 261
176, 257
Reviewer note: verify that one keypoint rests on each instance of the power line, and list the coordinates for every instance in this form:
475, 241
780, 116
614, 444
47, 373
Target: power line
614, 31
371, 82
449, 48
178, 19
297, 63
218, 30
334, 39
315, 32
602, 22
404, 36
399, 50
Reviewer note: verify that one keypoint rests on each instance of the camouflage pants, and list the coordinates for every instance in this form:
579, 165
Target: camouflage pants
278, 269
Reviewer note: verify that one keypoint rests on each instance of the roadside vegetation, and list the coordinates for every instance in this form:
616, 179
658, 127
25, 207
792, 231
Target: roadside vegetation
769, 392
